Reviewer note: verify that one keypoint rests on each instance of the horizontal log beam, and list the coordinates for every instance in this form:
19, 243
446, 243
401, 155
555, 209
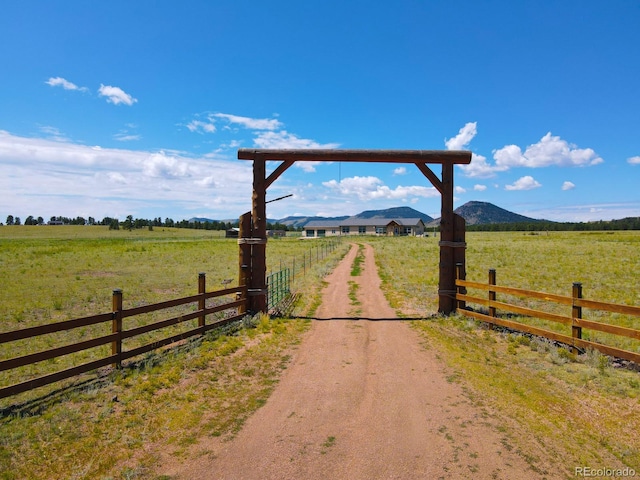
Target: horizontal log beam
462, 157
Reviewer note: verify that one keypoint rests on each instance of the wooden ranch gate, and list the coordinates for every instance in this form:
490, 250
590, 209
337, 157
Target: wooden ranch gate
253, 225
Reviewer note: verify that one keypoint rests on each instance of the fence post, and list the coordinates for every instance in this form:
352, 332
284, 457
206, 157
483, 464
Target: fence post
576, 312
492, 294
116, 326
202, 288
461, 275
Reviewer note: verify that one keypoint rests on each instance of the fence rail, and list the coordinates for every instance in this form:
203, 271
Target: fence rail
234, 310
575, 320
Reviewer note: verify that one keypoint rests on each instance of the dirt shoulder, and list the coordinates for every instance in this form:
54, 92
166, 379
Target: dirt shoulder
362, 399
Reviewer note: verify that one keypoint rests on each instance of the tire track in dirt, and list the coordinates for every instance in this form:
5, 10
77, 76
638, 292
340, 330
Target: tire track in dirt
362, 399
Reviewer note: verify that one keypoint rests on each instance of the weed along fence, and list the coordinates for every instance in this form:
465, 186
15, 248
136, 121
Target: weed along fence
619, 336
126, 341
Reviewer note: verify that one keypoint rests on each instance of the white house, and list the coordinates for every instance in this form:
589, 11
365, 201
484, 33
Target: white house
364, 226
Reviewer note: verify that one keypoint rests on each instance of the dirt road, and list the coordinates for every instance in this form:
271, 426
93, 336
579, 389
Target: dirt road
363, 399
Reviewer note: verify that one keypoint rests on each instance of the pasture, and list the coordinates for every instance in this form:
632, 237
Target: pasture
166, 402
55, 273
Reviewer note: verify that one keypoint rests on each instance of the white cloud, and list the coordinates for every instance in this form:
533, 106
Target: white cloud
464, 137
460, 190
524, 183
284, 140
568, 186
634, 160
479, 167
549, 151
45, 177
67, 85
372, 188
53, 133
116, 95
126, 137
200, 126
479, 188
400, 171
251, 123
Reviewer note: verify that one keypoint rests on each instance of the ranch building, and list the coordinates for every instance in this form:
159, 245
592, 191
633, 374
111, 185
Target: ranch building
365, 226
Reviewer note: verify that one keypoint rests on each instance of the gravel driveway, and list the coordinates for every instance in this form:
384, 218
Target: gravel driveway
363, 399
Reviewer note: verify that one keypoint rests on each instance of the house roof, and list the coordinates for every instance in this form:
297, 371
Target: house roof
379, 222
362, 222
323, 224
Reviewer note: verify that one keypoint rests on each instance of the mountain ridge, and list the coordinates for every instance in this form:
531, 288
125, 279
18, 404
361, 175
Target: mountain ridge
474, 213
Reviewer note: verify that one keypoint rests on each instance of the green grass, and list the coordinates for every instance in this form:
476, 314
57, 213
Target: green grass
606, 263
50, 274
356, 266
577, 410
165, 403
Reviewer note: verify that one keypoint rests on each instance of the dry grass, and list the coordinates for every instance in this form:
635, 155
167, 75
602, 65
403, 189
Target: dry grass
578, 411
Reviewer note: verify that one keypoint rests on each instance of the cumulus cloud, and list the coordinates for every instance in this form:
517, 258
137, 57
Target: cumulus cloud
49, 177
634, 160
67, 85
268, 133
460, 190
480, 168
464, 137
285, 140
372, 188
524, 183
400, 171
479, 188
549, 151
568, 186
116, 95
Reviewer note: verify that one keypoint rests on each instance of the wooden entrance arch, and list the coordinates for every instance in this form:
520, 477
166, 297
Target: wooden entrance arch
253, 225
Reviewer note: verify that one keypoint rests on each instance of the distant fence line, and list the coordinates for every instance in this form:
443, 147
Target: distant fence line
316, 253
280, 283
575, 321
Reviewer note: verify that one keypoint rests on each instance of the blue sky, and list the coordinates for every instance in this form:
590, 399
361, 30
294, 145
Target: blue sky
139, 107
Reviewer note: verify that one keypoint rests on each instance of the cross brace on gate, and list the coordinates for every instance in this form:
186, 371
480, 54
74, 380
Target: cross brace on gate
253, 225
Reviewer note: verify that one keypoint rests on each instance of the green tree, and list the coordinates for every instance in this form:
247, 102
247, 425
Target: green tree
128, 223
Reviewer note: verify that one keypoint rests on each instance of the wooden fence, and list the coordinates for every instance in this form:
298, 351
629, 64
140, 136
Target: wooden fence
575, 321
118, 333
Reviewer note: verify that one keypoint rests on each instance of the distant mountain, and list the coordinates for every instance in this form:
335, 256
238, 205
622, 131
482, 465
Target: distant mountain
395, 212
483, 213
201, 220
475, 213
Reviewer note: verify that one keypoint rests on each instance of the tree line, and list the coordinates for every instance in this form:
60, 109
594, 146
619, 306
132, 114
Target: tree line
131, 223
629, 223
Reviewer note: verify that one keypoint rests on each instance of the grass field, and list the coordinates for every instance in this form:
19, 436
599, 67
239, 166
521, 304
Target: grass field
606, 263
585, 411
55, 273
578, 409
